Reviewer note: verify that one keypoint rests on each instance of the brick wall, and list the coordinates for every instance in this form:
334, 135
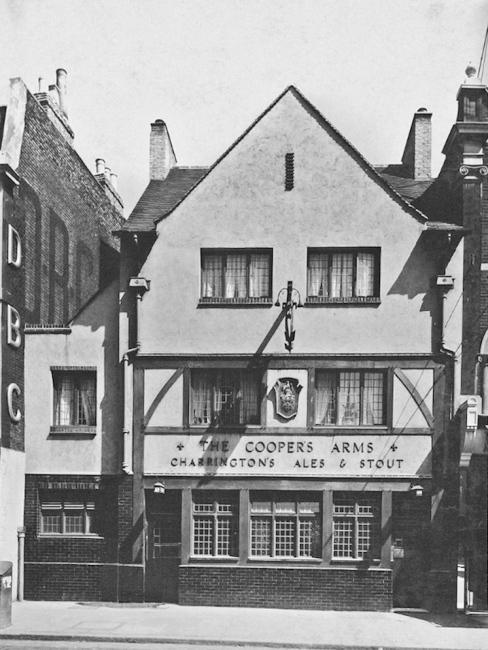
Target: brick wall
83, 568
286, 588
67, 216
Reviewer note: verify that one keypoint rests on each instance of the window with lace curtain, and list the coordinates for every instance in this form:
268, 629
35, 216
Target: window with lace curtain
228, 397
74, 398
343, 275
350, 398
235, 276
68, 512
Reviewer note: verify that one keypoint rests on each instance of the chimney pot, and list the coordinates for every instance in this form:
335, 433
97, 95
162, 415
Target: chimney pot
113, 180
61, 78
42, 85
107, 173
100, 166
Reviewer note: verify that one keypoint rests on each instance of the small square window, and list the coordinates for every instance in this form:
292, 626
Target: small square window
68, 512
236, 276
74, 398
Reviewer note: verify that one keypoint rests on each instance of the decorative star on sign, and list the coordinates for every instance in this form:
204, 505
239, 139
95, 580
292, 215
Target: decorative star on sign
393, 447
180, 446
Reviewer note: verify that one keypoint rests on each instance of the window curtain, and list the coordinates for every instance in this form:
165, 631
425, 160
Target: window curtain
259, 276
201, 399
342, 275
372, 407
325, 398
87, 401
249, 403
212, 276
64, 401
318, 274
349, 394
365, 274
236, 276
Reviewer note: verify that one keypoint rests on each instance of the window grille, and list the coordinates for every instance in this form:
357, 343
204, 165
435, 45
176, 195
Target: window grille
236, 275
285, 525
350, 398
343, 274
74, 398
356, 525
228, 397
215, 523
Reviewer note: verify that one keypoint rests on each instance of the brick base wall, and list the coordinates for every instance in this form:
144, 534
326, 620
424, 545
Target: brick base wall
286, 588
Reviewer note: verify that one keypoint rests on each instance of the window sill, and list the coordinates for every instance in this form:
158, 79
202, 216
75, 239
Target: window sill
77, 430
314, 301
357, 562
350, 428
235, 302
220, 559
69, 536
232, 428
284, 560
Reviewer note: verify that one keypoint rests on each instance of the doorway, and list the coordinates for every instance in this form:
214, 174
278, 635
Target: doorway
163, 546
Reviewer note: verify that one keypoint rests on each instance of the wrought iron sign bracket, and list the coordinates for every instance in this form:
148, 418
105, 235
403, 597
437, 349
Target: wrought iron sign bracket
289, 299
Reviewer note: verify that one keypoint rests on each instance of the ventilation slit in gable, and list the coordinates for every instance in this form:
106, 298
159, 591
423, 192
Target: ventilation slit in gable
289, 171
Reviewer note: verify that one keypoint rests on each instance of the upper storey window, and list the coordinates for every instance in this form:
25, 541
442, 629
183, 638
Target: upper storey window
343, 275
74, 398
236, 276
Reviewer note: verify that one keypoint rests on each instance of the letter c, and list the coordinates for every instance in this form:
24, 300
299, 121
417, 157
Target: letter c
15, 415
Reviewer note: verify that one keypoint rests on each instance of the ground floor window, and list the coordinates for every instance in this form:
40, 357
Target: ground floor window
67, 512
356, 525
215, 523
285, 525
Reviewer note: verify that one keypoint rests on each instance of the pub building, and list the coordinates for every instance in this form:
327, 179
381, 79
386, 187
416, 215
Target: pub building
286, 326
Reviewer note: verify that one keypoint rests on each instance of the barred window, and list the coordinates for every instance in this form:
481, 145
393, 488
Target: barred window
215, 523
356, 525
343, 274
236, 275
74, 398
285, 525
350, 398
68, 513
225, 397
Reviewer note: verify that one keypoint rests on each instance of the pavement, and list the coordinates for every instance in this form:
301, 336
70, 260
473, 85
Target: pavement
226, 626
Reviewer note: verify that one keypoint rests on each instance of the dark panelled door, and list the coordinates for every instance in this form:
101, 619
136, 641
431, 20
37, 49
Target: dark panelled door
163, 547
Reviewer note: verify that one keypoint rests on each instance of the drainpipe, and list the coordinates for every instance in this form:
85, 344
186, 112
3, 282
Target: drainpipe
126, 430
20, 563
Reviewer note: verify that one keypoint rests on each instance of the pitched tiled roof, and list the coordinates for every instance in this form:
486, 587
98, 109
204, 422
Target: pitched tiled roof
160, 197
408, 188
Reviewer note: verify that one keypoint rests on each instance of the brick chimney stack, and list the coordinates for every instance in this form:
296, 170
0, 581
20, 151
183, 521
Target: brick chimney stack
417, 156
161, 154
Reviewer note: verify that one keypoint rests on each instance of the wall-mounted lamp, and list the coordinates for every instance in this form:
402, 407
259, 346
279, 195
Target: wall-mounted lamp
289, 299
417, 490
141, 285
159, 488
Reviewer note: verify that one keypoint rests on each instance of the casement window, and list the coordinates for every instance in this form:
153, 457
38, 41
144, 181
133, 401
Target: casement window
215, 523
228, 397
350, 398
344, 275
356, 521
70, 512
236, 276
74, 398
285, 525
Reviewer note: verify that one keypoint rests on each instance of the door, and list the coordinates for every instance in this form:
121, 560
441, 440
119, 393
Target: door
163, 547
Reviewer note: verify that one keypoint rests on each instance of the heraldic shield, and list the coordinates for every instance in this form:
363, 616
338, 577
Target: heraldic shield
287, 390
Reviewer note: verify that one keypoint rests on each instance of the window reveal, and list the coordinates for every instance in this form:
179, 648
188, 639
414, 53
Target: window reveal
343, 274
215, 523
69, 513
225, 397
74, 398
285, 525
349, 398
356, 521
242, 275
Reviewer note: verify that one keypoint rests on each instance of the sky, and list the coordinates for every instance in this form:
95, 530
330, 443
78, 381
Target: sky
208, 68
